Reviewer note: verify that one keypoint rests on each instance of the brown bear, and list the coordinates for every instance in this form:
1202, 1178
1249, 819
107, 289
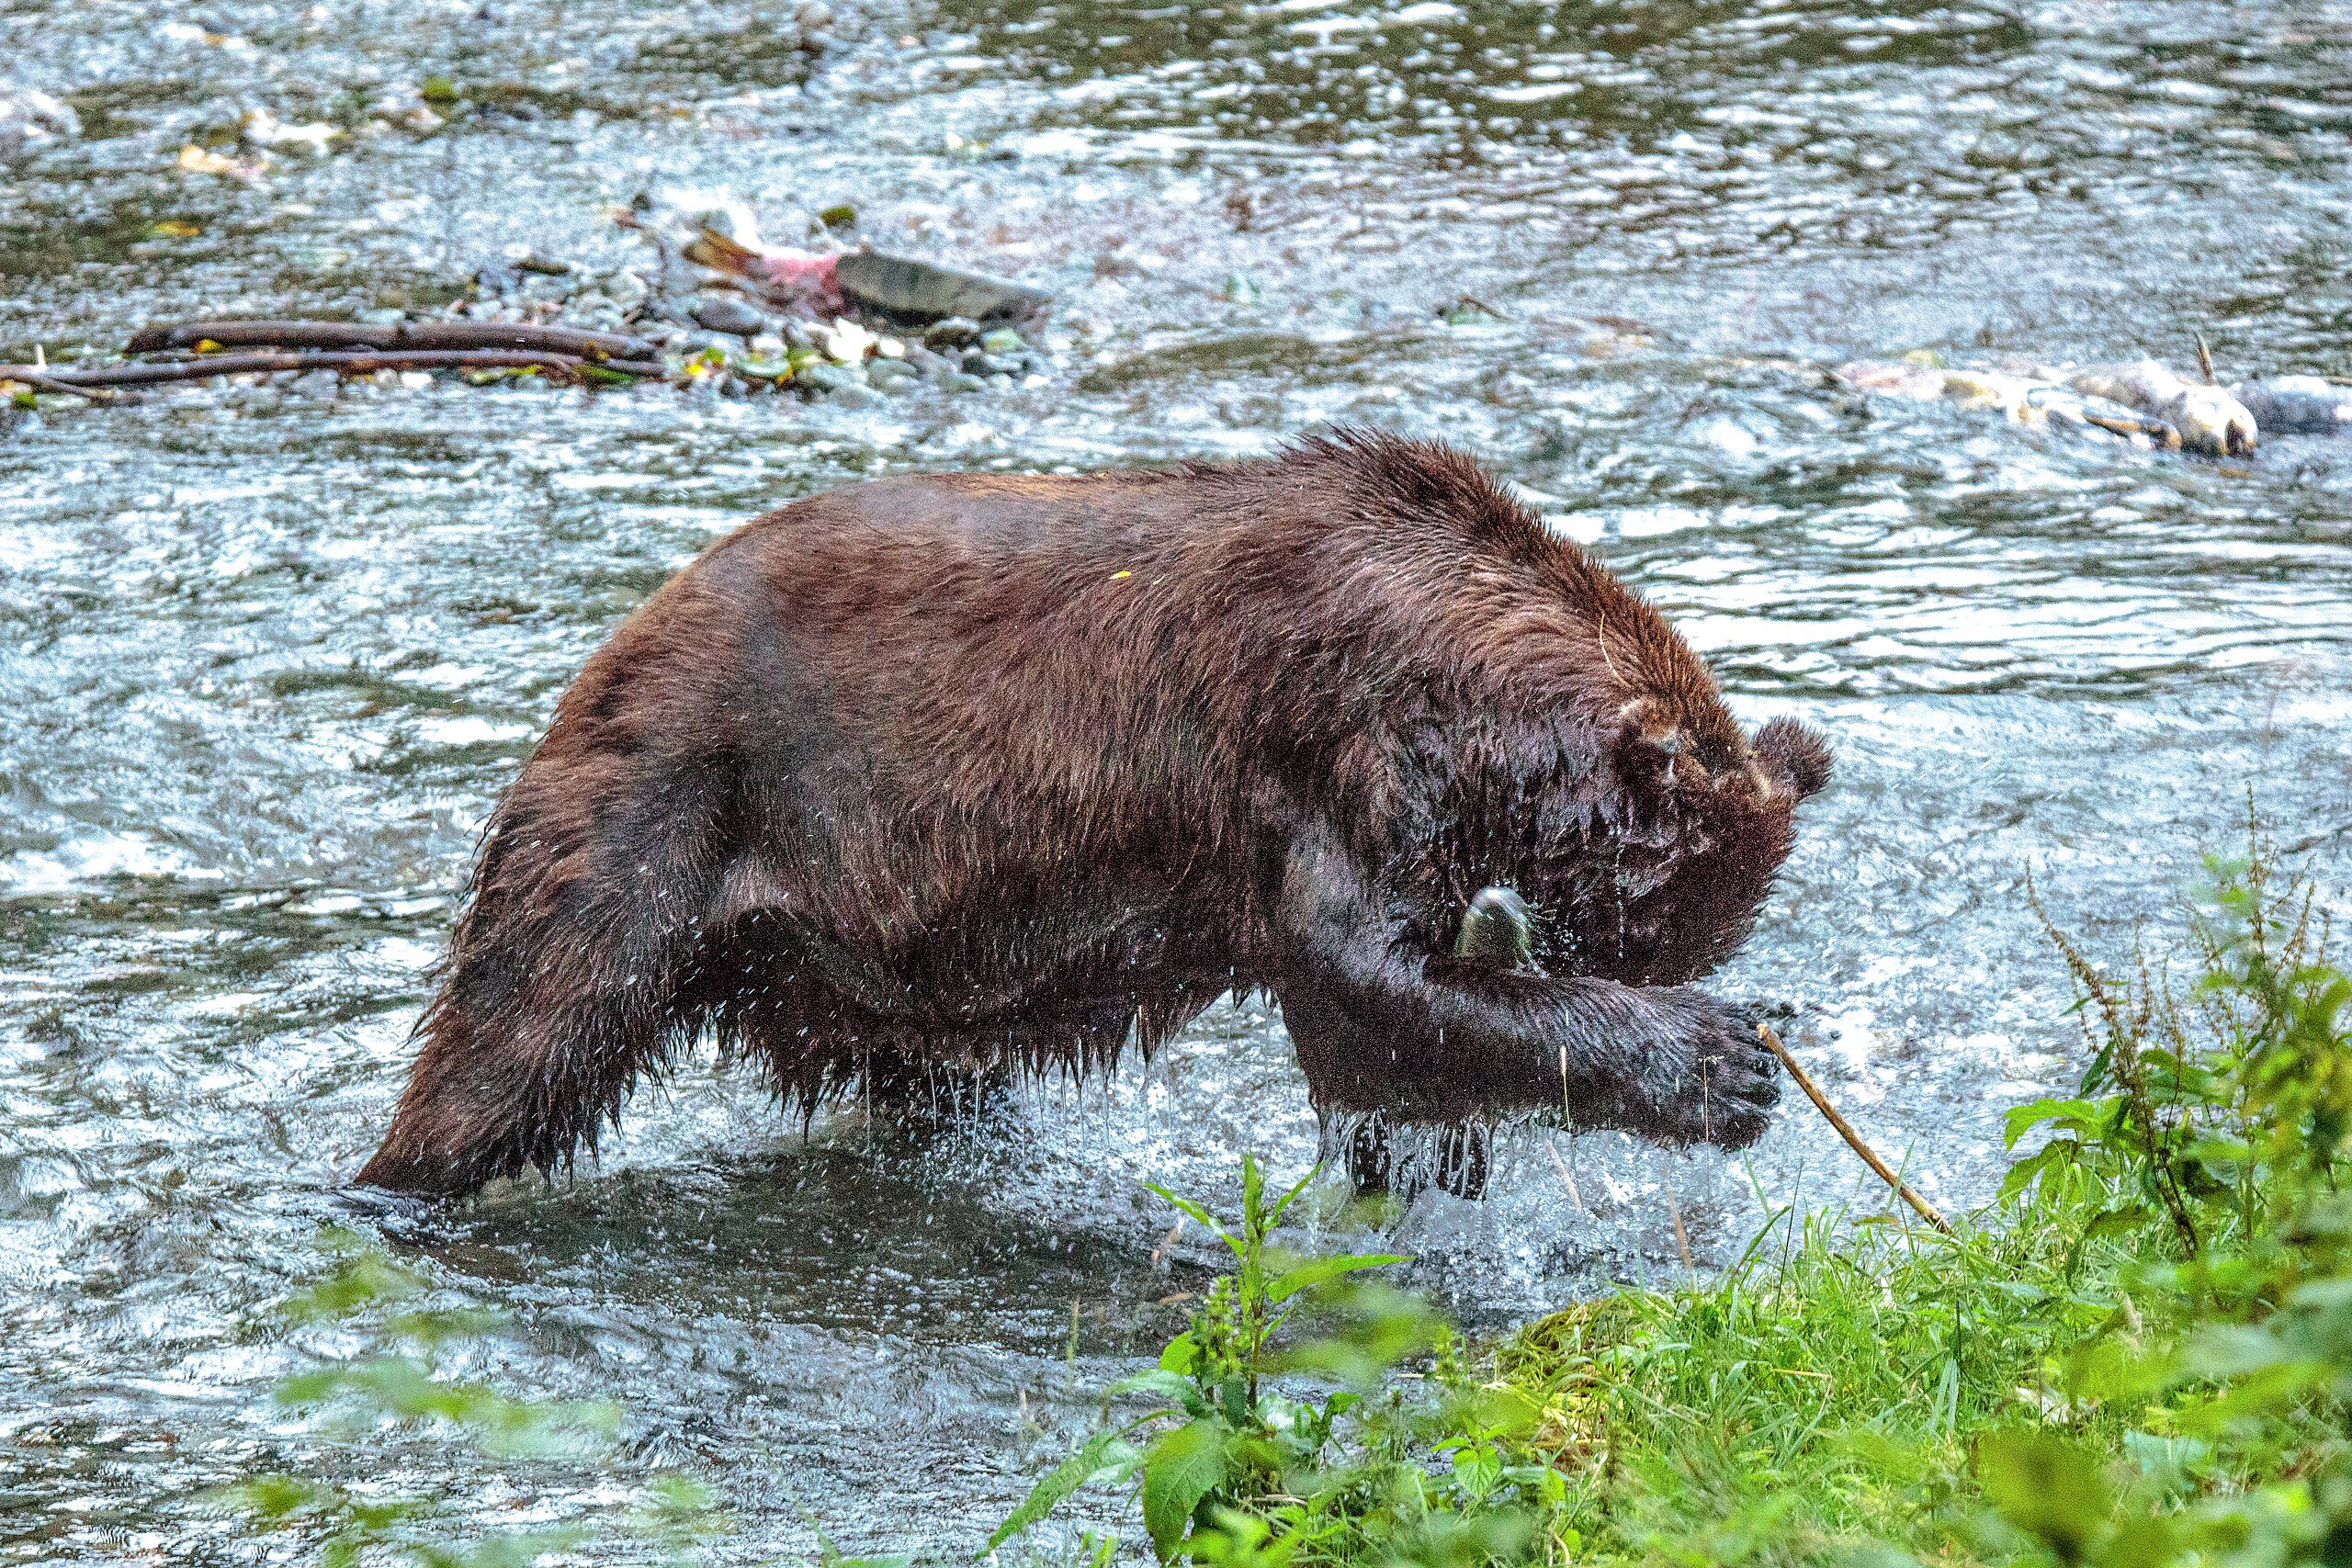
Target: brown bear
980, 773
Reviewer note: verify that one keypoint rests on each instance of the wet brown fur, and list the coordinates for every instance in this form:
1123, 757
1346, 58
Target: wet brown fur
985, 771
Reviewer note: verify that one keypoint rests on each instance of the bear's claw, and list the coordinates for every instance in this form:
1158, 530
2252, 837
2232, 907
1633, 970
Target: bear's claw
1712, 1080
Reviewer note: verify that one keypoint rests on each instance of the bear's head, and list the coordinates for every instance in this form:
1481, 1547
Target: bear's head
1643, 851
1704, 817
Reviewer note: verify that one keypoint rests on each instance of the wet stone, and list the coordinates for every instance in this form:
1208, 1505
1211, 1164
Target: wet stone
925, 362
730, 316
840, 383
952, 333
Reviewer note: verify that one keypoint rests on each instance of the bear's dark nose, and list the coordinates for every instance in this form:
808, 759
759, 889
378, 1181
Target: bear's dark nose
1496, 929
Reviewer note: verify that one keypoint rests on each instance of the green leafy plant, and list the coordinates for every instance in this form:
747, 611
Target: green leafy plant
1248, 1455
396, 1381
2230, 1118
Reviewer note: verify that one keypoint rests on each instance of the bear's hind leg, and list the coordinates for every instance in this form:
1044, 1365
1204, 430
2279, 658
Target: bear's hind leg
564, 980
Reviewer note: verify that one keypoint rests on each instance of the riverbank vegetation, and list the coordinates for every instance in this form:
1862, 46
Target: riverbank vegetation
2137, 1356
2140, 1353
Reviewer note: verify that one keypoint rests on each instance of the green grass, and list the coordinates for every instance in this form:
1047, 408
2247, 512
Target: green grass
2133, 1356
2139, 1356
1823, 1395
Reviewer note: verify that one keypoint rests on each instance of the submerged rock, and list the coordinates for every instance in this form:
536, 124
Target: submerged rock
733, 317
952, 333
841, 383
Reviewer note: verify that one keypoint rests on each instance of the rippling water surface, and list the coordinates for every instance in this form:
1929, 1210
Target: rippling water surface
266, 659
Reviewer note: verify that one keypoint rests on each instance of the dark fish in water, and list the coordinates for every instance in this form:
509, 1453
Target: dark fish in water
916, 293
2298, 405
718, 233
792, 281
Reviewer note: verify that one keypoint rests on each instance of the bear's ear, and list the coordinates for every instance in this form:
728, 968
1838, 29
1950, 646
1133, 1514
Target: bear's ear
1797, 753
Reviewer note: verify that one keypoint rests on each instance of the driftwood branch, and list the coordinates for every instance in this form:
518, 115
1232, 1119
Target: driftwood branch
573, 342
354, 363
1927, 1210
42, 378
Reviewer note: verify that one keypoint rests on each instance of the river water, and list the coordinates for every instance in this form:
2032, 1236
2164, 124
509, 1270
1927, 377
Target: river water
268, 658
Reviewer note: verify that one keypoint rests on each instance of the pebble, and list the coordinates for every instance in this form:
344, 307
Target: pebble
955, 333
841, 383
890, 372
721, 314
1003, 340
322, 384
932, 365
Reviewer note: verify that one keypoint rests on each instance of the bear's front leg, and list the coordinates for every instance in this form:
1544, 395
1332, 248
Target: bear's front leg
1380, 1023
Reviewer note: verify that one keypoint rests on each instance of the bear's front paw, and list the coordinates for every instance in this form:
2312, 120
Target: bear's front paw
1712, 1081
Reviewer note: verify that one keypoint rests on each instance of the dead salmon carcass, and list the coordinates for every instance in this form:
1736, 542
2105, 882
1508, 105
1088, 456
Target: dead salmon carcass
2032, 396
908, 292
2209, 419
2297, 405
2055, 404
707, 238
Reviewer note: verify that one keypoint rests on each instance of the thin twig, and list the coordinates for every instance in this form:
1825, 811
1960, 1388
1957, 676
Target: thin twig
1565, 1179
1927, 1210
349, 364
1674, 1213
577, 342
2314, 841
42, 381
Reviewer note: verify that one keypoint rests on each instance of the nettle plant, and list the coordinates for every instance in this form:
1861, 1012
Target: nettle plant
2217, 1111
2210, 1130
1247, 1455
